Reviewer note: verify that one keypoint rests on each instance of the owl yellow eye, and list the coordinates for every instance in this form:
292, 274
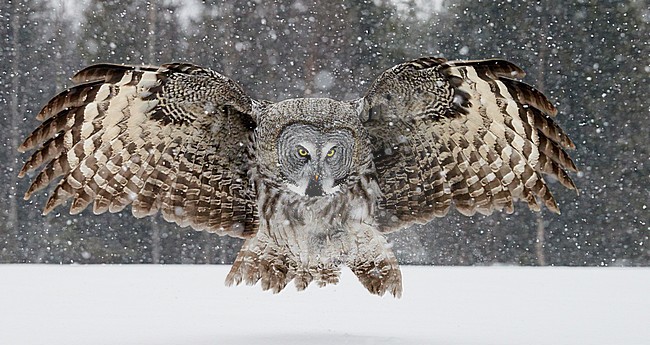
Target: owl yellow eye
302, 152
331, 152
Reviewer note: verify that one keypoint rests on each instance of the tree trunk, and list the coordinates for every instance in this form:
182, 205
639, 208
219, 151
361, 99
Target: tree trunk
156, 243
543, 52
14, 113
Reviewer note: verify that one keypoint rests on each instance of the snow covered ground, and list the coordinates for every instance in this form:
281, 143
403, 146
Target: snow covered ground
146, 304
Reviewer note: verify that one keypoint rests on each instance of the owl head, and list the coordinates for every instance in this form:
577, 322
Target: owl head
316, 145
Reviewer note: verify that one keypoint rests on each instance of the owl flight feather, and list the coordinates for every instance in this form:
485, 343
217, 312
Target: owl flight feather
310, 183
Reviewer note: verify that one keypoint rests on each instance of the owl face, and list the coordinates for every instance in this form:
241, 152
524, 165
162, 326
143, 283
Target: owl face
314, 162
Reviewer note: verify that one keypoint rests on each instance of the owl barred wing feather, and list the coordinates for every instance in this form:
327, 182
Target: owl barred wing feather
463, 133
173, 139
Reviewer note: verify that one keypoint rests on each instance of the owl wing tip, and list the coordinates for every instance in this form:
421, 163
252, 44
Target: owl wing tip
24, 147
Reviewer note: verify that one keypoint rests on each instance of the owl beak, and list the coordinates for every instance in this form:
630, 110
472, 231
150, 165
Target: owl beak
314, 187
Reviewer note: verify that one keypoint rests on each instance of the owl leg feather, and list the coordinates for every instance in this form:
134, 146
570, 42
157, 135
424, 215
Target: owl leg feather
303, 279
376, 266
258, 262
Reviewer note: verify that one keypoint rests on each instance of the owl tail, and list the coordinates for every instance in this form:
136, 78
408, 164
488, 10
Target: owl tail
376, 266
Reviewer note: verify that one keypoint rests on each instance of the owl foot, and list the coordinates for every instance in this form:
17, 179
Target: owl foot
270, 269
380, 277
275, 274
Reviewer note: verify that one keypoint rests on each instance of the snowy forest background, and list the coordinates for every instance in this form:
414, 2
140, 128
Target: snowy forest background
592, 58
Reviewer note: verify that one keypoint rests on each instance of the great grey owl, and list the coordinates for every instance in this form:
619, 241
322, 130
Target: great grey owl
311, 183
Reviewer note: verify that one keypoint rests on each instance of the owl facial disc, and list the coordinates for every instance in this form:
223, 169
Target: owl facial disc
314, 162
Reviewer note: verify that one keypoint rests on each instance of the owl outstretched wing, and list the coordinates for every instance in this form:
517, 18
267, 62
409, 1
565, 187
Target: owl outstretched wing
464, 133
173, 139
